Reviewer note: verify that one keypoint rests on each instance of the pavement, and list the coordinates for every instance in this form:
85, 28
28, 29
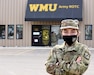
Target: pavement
29, 60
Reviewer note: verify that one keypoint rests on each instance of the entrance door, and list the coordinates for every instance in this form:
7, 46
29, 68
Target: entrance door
56, 37
40, 35
36, 35
46, 35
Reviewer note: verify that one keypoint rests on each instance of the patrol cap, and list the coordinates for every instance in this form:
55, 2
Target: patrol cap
69, 23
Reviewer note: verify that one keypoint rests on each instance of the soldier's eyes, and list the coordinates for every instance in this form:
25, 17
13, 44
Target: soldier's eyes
73, 31
70, 31
65, 31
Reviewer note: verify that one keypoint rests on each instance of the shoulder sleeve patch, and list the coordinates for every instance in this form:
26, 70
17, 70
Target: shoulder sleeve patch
86, 55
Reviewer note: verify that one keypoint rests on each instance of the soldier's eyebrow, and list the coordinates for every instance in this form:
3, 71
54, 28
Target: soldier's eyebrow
69, 28
74, 29
65, 30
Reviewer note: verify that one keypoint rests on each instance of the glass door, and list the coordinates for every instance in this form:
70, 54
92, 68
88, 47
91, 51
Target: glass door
46, 35
56, 37
36, 35
41, 35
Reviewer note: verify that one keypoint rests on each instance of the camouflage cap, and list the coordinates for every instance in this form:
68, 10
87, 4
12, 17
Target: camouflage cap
69, 23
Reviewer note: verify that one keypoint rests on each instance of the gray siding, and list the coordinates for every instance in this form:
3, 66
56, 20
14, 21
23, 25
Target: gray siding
13, 12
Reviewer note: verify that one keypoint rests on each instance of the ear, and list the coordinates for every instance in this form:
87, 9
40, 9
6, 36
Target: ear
78, 33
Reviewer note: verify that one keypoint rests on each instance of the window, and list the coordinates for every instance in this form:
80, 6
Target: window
88, 32
19, 31
2, 31
10, 31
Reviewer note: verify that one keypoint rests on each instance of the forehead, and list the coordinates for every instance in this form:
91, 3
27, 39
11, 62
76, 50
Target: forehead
69, 29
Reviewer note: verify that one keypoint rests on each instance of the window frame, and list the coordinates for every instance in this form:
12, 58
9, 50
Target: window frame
4, 32
8, 31
17, 30
88, 32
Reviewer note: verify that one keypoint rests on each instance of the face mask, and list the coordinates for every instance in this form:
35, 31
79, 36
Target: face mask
70, 39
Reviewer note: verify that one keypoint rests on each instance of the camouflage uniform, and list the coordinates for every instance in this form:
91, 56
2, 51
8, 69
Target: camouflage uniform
62, 59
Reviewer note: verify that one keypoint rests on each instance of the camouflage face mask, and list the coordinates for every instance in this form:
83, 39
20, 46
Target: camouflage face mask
70, 39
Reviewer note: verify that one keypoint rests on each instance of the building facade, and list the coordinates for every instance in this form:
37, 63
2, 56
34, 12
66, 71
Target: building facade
16, 31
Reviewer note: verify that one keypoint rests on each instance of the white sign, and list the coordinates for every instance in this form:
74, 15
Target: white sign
35, 40
36, 33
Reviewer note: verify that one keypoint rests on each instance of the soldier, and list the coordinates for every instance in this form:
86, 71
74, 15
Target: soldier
72, 57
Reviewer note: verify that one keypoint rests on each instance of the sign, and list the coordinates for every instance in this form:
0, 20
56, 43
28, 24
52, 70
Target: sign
53, 10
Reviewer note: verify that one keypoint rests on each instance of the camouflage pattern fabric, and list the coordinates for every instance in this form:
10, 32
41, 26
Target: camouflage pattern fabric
69, 23
62, 59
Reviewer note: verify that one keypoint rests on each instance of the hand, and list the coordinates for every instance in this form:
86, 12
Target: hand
51, 67
79, 59
57, 64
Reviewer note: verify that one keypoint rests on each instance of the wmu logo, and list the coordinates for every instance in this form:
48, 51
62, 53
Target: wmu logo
43, 7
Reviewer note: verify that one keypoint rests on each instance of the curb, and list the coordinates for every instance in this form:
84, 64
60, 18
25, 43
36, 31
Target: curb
24, 48
33, 47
